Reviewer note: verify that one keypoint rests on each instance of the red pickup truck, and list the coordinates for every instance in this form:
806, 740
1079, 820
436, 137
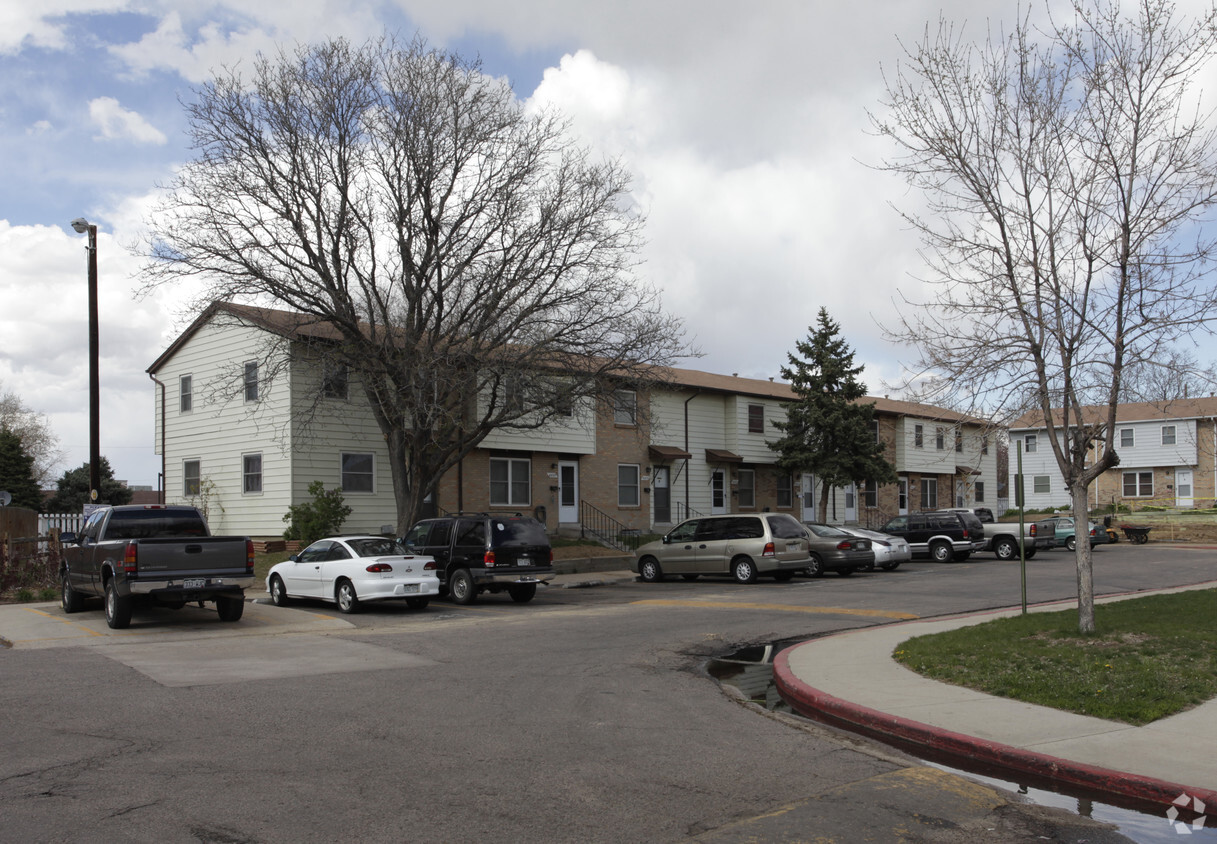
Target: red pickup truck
153, 554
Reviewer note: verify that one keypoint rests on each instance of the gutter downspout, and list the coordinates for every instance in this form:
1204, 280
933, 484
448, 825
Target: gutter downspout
696, 393
164, 478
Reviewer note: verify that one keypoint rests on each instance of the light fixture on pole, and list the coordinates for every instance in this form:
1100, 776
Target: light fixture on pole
81, 226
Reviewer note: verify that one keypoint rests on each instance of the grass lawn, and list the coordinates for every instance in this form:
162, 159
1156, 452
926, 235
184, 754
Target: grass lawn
1149, 657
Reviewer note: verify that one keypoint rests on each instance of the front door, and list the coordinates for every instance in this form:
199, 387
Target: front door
851, 503
902, 496
808, 496
662, 495
718, 492
568, 492
1184, 497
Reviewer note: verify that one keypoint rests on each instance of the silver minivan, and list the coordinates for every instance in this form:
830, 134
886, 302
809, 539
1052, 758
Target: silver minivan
742, 546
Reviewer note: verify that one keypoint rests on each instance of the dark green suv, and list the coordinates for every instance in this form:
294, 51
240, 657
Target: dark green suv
479, 552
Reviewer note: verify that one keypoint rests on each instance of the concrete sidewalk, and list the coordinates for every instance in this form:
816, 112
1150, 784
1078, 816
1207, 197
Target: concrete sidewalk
850, 680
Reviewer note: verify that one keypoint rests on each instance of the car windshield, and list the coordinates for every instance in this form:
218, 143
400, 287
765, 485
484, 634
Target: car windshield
376, 546
826, 530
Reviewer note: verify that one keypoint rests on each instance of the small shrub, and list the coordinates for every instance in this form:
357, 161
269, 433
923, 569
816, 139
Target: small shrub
24, 595
316, 519
48, 593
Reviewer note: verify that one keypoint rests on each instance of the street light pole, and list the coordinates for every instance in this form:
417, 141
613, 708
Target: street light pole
81, 225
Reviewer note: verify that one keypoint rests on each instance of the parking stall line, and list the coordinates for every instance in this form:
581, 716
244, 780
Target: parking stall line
732, 605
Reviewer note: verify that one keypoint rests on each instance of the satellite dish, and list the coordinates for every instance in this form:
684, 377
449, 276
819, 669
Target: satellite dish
6, 497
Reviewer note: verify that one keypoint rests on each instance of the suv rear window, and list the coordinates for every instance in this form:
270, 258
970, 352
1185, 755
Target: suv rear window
517, 532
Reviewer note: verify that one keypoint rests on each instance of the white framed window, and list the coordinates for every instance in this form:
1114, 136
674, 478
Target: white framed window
186, 393
874, 429
919, 436
1031, 444
984, 444
1168, 434
978, 490
958, 441
625, 407
192, 477
629, 493
251, 473
358, 472
940, 439
1127, 437
1138, 484
929, 493
746, 487
870, 494
1042, 484
251, 380
510, 481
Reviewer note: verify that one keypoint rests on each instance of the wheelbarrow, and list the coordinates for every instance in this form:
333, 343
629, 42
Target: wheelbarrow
1138, 534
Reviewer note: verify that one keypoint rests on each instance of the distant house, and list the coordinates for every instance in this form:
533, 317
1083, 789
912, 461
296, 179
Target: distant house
1167, 453
232, 440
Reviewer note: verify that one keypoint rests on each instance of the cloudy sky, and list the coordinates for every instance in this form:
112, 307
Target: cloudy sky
744, 125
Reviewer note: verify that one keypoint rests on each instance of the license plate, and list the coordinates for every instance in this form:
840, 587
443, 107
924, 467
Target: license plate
524, 561
194, 583
794, 546
409, 587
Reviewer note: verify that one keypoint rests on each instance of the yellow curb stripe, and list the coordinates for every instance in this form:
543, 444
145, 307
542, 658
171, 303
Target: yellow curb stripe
73, 624
731, 605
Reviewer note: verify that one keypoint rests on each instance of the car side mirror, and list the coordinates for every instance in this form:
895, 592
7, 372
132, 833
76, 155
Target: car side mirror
295, 558
67, 538
667, 540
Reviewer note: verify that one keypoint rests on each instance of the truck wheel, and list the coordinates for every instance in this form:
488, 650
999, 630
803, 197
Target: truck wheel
744, 570
1071, 543
942, 552
70, 599
118, 607
230, 609
462, 588
278, 592
417, 603
344, 593
522, 593
1005, 549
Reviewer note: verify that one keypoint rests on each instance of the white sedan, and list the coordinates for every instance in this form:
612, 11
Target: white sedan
350, 570
890, 551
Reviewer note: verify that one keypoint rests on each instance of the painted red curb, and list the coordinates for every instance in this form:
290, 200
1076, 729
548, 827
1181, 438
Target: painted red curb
1117, 785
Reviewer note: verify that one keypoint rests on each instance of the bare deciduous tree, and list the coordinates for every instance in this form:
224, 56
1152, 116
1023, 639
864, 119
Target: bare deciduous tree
36, 436
1069, 174
473, 268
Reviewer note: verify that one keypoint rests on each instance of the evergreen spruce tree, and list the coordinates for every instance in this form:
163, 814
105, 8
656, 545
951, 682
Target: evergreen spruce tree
17, 472
828, 431
73, 491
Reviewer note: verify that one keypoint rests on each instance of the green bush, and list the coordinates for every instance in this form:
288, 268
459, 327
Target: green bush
316, 519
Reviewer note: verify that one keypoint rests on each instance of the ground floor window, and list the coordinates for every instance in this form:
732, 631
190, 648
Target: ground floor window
747, 487
870, 494
785, 491
929, 493
192, 477
510, 481
979, 490
358, 472
628, 486
251, 470
1138, 484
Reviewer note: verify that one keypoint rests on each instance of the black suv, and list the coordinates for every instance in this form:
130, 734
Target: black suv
942, 536
478, 552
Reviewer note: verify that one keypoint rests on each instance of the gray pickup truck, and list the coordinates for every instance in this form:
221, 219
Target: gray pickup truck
1003, 539
153, 554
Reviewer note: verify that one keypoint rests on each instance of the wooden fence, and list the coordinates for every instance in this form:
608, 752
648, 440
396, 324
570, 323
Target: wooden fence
29, 559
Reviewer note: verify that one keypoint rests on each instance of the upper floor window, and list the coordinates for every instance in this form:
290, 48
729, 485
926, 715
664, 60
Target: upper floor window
918, 435
191, 478
940, 441
756, 418
513, 392
358, 472
625, 407
874, 429
1168, 434
251, 380
958, 440
186, 393
984, 444
1030, 443
335, 381
1127, 437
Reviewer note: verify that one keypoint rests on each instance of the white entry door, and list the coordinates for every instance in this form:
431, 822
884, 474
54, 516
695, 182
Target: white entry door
1185, 498
809, 498
718, 492
851, 503
568, 492
902, 496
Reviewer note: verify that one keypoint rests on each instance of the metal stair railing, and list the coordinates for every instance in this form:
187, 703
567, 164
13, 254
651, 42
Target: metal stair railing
599, 525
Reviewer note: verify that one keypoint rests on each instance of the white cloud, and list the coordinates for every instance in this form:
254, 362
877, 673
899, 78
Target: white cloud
118, 123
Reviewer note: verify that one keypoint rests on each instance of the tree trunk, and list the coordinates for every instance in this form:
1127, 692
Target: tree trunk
822, 507
1084, 557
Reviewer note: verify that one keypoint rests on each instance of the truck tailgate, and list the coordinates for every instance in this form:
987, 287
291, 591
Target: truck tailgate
185, 557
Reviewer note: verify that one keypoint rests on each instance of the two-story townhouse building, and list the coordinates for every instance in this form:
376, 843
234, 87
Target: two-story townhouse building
244, 434
1167, 450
